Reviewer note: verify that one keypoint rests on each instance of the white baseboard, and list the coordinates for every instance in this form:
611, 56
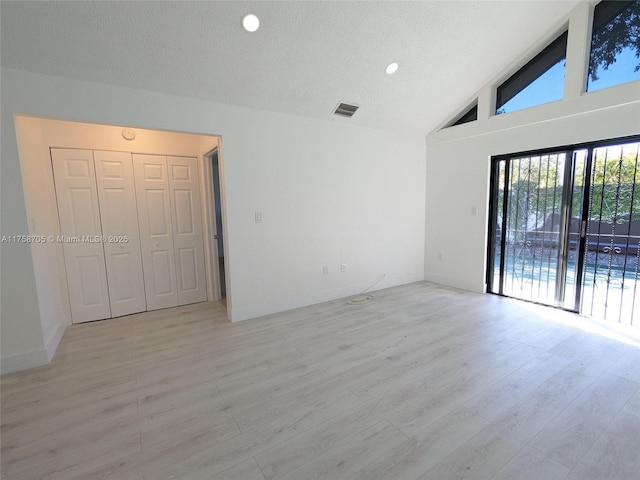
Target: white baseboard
463, 284
54, 341
23, 361
282, 305
35, 358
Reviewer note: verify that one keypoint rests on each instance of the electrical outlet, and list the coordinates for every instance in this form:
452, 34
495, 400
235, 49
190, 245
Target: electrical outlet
258, 217
343, 267
325, 270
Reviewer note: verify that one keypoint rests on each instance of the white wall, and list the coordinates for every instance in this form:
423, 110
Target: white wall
329, 192
458, 158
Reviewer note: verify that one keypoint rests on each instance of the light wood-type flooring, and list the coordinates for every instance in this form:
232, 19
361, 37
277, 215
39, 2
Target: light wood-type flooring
422, 383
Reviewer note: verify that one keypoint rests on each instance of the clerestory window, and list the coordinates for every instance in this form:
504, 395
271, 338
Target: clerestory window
469, 115
539, 81
615, 44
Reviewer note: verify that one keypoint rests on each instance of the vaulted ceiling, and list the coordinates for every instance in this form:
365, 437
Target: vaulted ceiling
306, 57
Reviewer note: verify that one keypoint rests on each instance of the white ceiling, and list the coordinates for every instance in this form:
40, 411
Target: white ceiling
306, 57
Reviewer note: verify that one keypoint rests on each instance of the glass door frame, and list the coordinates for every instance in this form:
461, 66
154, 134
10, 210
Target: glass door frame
568, 191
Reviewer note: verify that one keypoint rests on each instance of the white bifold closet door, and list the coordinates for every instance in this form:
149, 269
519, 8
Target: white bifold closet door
187, 229
119, 218
168, 197
132, 229
79, 213
156, 230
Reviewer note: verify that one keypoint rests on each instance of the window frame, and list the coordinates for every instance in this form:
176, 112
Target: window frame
603, 13
553, 53
470, 115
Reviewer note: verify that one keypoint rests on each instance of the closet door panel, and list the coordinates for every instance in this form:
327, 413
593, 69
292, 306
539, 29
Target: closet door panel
90, 271
188, 276
80, 228
156, 230
116, 193
162, 264
187, 236
159, 222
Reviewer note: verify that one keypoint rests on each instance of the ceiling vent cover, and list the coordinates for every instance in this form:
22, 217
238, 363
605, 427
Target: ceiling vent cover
345, 110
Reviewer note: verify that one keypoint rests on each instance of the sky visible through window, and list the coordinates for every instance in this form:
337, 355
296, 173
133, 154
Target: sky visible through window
546, 88
621, 71
550, 85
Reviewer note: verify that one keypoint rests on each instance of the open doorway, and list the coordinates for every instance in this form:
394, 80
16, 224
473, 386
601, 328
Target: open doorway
217, 222
36, 136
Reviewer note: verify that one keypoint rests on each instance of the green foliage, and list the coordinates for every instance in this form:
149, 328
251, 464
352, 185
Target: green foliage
536, 188
613, 190
608, 42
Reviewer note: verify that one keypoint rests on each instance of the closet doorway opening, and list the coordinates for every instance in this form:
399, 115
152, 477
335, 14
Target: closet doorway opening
216, 222
38, 136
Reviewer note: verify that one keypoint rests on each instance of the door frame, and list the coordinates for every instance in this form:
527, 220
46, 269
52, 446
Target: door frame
564, 227
209, 219
568, 178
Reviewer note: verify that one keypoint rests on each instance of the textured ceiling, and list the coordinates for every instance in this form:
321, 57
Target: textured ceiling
305, 58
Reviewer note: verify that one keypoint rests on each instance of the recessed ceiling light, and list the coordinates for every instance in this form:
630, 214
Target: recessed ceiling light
250, 22
391, 68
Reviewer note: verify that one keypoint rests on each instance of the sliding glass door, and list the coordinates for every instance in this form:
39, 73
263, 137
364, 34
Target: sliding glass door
610, 288
565, 228
536, 234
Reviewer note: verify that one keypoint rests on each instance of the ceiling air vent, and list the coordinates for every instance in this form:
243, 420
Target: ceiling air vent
345, 110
